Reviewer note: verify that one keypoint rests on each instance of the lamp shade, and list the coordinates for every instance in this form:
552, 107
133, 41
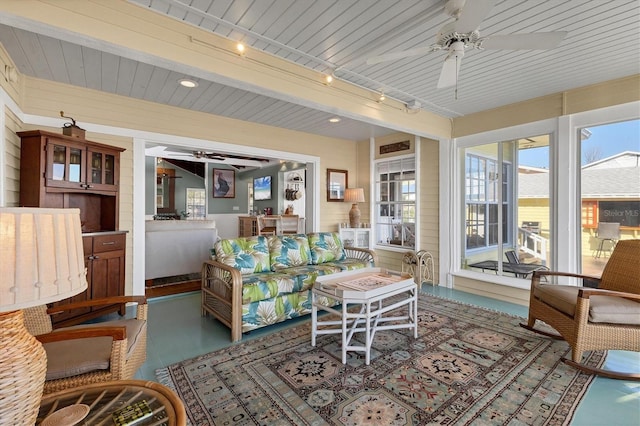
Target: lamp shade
41, 256
354, 195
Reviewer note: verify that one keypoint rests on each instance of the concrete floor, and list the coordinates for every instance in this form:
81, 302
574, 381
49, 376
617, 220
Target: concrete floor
177, 331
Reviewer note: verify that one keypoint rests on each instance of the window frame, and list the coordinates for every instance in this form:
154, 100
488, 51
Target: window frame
501, 183
203, 191
564, 194
412, 205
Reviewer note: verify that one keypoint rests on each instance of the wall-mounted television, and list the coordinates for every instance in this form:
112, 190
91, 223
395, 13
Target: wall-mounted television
262, 188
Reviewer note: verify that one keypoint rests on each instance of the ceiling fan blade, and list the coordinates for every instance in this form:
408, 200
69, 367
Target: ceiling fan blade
533, 41
472, 15
450, 71
399, 55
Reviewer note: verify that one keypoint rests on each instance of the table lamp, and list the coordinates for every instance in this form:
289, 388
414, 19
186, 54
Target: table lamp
41, 261
355, 196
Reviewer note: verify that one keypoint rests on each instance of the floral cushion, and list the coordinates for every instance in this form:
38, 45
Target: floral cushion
288, 251
347, 264
248, 255
261, 286
307, 274
326, 247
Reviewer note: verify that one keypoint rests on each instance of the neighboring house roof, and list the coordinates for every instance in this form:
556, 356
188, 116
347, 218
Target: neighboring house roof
623, 159
603, 182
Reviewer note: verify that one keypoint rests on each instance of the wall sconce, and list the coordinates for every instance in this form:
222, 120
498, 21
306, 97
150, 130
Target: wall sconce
10, 74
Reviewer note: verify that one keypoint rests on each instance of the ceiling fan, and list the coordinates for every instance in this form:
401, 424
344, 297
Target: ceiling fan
208, 155
462, 34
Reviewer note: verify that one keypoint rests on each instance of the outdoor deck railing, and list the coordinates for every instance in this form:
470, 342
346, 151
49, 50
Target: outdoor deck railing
533, 244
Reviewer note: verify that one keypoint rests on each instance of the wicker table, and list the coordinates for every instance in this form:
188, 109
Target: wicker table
105, 398
370, 288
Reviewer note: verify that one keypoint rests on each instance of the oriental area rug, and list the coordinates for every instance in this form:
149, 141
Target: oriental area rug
469, 366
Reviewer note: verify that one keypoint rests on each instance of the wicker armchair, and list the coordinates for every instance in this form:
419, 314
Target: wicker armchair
90, 353
603, 318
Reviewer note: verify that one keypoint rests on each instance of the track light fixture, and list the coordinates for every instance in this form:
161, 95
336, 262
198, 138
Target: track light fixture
382, 97
328, 79
413, 106
241, 49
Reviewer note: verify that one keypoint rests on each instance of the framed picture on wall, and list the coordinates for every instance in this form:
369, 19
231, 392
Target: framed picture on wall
224, 183
336, 184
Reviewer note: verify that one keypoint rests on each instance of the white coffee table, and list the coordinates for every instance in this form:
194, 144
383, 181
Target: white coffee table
369, 288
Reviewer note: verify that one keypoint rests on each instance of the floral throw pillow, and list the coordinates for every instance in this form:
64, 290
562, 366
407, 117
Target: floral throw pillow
288, 251
249, 255
326, 247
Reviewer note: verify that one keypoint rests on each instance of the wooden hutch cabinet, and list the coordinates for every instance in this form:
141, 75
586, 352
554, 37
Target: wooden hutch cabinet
59, 171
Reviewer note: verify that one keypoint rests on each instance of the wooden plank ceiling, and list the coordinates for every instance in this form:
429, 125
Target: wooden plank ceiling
338, 36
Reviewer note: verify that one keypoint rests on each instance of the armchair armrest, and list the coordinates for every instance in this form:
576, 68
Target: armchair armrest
585, 293
141, 300
222, 295
115, 332
535, 277
362, 254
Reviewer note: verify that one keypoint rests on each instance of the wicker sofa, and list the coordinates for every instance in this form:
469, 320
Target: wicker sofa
258, 281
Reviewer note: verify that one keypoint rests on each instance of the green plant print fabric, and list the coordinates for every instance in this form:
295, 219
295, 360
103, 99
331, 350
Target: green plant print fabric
277, 309
261, 286
347, 265
288, 251
248, 255
326, 247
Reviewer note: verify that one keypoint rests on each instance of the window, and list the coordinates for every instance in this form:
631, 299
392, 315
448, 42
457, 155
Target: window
506, 206
609, 188
555, 176
482, 201
395, 205
196, 202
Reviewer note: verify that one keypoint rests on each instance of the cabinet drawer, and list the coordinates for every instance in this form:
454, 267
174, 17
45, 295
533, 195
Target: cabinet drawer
104, 243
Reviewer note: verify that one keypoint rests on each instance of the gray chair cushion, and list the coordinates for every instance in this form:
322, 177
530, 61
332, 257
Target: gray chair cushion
602, 309
79, 356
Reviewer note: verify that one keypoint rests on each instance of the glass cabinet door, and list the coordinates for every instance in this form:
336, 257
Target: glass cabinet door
109, 169
75, 164
96, 167
65, 165
102, 166
59, 162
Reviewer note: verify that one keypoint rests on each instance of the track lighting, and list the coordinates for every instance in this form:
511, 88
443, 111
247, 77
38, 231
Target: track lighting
328, 79
413, 106
241, 49
382, 97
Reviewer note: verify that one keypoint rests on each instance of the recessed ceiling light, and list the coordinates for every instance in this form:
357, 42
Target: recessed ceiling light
188, 83
334, 120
